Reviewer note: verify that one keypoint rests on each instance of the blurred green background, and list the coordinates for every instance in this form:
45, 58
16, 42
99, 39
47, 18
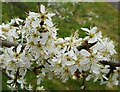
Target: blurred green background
69, 18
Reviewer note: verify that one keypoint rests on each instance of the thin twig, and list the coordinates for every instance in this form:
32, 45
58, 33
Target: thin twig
16, 77
83, 87
83, 83
4, 43
36, 68
39, 7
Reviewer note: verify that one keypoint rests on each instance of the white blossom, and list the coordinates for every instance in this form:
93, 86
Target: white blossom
38, 45
93, 35
40, 88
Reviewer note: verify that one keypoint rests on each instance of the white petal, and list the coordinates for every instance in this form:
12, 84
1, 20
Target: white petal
30, 87
88, 77
93, 30
40, 88
39, 81
50, 15
35, 23
104, 77
97, 47
44, 38
60, 40
49, 23
84, 52
42, 8
19, 81
107, 67
14, 34
99, 34
116, 82
9, 81
20, 20
115, 76
96, 78
71, 53
33, 14
95, 68
86, 38
67, 38
73, 69
86, 29
74, 57
85, 61
68, 63
92, 40
19, 48
22, 86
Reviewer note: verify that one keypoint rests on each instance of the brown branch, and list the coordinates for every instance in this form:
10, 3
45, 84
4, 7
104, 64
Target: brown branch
111, 63
7, 43
85, 45
112, 67
1, 52
35, 69
83, 82
16, 77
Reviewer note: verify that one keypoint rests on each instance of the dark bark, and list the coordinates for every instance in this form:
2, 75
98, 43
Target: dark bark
8, 43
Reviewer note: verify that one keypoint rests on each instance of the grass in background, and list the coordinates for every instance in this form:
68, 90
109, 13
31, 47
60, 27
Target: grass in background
103, 15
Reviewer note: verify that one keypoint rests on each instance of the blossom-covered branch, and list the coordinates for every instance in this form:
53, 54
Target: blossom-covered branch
33, 46
84, 45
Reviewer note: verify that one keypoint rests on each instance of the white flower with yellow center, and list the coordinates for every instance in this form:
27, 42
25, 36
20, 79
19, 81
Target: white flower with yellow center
16, 20
93, 35
45, 16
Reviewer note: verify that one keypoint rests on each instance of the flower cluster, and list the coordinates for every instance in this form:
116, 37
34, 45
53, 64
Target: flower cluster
40, 48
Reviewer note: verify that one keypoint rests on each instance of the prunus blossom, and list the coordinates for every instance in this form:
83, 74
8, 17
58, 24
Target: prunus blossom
37, 48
